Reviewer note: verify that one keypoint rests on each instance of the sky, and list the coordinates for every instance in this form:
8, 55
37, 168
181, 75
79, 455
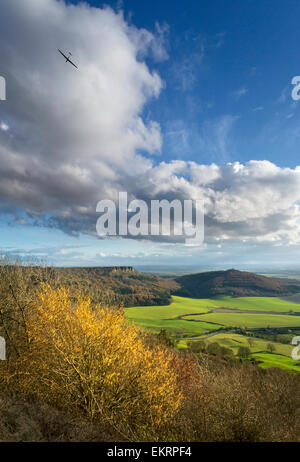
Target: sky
170, 101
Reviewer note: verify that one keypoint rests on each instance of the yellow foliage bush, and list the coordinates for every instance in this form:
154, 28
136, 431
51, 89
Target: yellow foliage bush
94, 361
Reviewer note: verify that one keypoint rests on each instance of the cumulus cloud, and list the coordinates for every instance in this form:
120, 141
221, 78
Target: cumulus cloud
71, 130
78, 136
255, 202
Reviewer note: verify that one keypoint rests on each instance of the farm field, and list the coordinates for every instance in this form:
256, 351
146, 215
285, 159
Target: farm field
274, 360
234, 341
170, 317
206, 319
271, 304
248, 320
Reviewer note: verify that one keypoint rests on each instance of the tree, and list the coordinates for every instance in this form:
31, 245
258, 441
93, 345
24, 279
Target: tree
244, 352
166, 338
226, 351
213, 348
271, 348
92, 360
251, 341
197, 347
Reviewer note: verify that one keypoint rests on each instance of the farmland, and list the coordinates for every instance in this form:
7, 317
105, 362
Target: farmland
83, 358
230, 322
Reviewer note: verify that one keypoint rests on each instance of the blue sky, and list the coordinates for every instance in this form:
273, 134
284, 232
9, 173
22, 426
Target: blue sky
204, 82
226, 59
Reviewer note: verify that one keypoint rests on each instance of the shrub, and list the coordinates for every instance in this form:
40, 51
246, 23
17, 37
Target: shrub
166, 338
198, 346
96, 362
241, 403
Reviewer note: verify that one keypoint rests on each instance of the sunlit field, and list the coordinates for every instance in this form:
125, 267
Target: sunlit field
217, 319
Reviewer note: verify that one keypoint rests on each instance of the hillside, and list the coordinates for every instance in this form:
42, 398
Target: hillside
234, 283
120, 285
114, 286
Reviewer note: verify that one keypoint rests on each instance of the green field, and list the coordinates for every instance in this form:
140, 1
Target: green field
270, 304
195, 319
247, 320
166, 317
234, 341
274, 360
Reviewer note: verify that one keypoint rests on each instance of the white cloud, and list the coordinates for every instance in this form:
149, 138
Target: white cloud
4, 127
255, 202
77, 135
240, 92
72, 129
283, 95
210, 141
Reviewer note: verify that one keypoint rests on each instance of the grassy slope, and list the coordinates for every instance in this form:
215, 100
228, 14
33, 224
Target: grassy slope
253, 303
273, 360
234, 341
166, 317
249, 320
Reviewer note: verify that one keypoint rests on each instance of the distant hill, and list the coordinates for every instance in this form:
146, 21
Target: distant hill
234, 283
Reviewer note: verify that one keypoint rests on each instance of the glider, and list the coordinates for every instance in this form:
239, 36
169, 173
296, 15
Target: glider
67, 58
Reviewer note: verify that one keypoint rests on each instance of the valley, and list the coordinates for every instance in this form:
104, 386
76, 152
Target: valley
254, 322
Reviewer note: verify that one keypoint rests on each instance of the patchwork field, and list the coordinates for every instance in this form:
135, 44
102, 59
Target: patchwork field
257, 303
248, 320
217, 320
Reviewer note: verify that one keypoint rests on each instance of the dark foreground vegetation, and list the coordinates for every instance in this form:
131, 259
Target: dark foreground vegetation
78, 370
